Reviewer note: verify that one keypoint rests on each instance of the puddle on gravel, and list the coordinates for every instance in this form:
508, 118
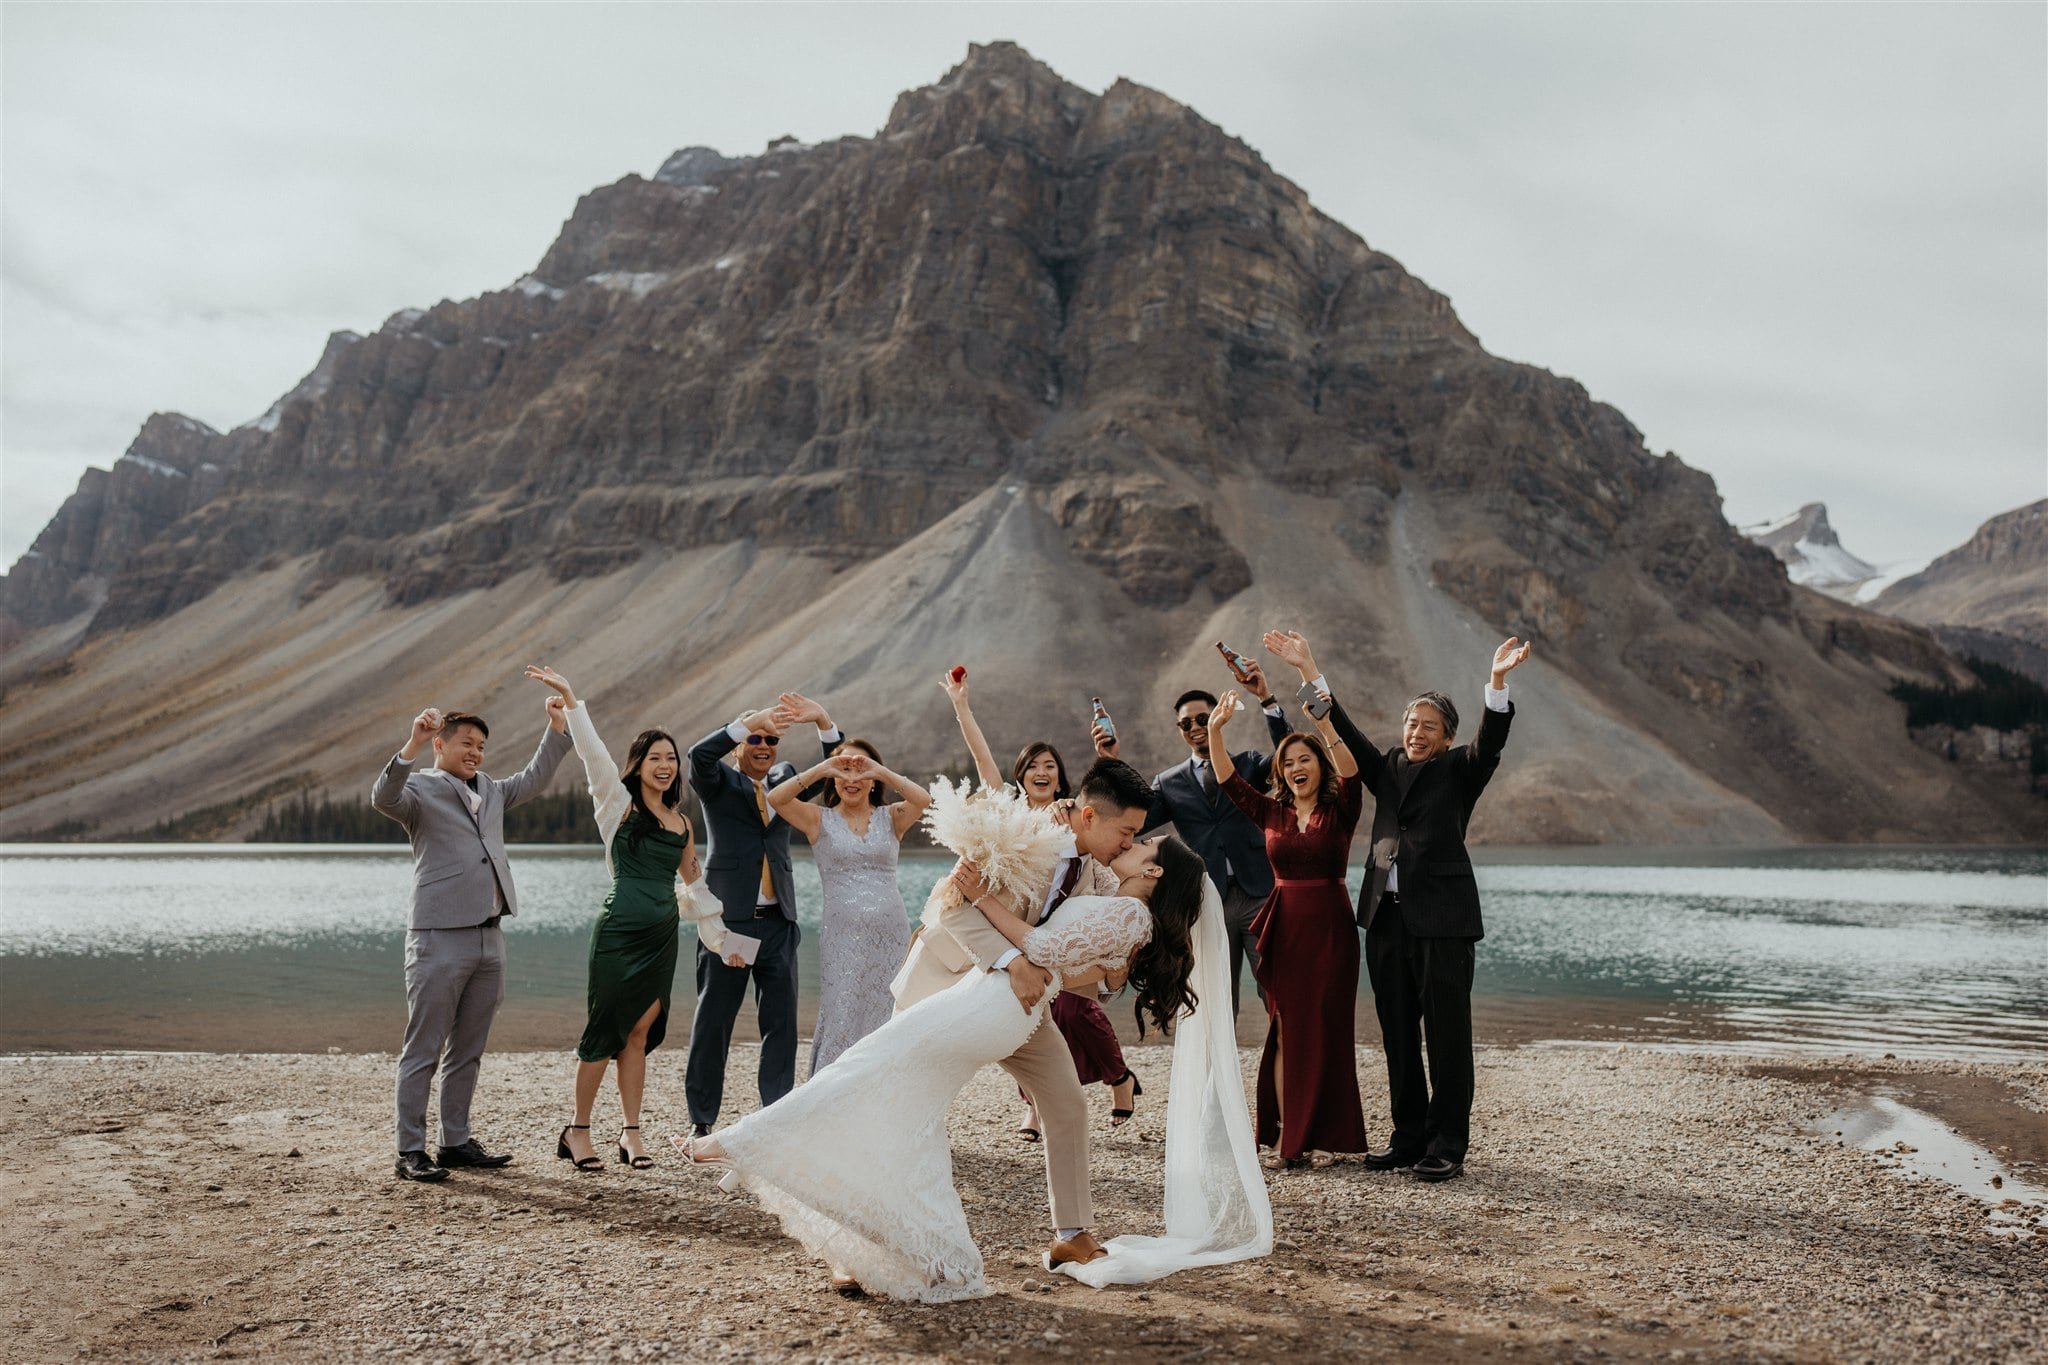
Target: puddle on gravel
1919, 1145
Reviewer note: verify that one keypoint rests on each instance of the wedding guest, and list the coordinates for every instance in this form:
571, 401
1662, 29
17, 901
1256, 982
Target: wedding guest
649, 847
454, 816
1041, 775
749, 872
1188, 797
1305, 946
866, 929
1420, 905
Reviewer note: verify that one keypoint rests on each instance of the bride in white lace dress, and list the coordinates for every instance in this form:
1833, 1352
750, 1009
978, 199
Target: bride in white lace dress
856, 1163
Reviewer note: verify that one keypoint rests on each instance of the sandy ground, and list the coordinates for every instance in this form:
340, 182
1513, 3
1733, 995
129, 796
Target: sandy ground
1619, 1203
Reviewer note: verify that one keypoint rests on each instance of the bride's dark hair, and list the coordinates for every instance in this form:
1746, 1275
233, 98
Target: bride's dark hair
1161, 970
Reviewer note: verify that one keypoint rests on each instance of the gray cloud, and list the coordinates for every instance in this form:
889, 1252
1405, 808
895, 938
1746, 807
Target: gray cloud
1806, 247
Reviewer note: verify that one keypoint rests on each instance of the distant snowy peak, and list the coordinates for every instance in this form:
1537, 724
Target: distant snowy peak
1812, 554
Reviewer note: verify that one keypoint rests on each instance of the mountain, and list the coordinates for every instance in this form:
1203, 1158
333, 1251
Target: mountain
1989, 596
1811, 552
1063, 386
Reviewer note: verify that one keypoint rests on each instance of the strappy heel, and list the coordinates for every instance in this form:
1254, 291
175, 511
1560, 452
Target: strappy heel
1119, 1117
688, 1147
626, 1158
592, 1162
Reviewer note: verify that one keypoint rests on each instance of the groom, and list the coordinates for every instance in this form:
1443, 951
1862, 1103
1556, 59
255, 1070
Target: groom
1109, 810
454, 815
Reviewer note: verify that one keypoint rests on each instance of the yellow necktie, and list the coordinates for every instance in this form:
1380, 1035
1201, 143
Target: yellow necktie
767, 875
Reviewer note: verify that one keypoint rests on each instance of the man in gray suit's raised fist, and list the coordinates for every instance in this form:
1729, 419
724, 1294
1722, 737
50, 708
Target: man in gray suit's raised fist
454, 949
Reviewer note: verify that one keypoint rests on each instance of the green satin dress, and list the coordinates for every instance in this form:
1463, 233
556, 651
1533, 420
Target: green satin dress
634, 943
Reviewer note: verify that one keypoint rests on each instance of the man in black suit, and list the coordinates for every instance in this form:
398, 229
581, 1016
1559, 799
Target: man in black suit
1186, 795
748, 871
1420, 906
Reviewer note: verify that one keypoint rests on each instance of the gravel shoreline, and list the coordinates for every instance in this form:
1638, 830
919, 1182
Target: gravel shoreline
1618, 1203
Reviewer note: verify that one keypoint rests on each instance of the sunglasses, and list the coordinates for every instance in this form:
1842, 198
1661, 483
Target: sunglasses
1190, 722
770, 740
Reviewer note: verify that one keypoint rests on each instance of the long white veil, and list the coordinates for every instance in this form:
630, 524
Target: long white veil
1216, 1205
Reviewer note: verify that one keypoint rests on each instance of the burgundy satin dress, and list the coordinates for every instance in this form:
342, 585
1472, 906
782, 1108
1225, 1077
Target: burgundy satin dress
1307, 941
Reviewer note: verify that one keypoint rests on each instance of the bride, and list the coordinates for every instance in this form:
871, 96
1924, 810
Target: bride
855, 1162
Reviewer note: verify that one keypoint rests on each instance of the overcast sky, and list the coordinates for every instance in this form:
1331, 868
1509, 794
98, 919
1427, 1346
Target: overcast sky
1805, 247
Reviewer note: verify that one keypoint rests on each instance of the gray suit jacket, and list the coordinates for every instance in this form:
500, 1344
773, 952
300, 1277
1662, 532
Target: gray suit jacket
458, 859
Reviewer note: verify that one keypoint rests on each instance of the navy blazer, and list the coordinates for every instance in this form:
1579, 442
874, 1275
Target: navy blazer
1224, 836
1419, 817
732, 867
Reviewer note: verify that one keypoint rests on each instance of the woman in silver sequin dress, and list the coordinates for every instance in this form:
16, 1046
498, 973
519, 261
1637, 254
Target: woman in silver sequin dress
866, 932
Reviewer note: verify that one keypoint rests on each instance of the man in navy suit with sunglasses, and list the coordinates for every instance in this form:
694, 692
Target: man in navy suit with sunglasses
748, 871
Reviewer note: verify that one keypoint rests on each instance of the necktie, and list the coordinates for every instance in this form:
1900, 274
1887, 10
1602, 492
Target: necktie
1208, 776
767, 874
1066, 887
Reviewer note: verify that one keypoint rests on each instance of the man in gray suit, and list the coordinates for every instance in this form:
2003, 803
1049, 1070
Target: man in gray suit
454, 950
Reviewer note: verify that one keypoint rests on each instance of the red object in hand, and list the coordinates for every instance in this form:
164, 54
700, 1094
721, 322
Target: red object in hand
959, 672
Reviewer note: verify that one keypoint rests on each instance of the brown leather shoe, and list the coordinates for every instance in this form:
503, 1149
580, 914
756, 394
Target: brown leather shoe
1079, 1249
848, 1287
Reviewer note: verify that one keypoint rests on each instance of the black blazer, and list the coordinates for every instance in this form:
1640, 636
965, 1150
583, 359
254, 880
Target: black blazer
1223, 835
1419, 817
732, 869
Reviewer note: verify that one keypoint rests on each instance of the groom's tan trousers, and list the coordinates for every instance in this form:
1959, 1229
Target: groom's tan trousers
1044, 1066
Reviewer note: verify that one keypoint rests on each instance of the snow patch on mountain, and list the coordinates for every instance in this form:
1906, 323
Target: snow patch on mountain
1813, 555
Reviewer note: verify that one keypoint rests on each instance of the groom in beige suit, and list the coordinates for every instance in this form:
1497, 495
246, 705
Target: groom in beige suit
1108, 812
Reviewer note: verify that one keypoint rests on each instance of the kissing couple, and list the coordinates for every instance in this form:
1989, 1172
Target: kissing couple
855, 1162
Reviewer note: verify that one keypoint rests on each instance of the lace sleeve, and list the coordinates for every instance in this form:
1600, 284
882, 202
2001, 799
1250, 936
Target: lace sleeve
1090, 931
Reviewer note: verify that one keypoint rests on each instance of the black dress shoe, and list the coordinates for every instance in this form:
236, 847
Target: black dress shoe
1435, 1168
700, 1130
415, 1166
470, 1154
1390, 1160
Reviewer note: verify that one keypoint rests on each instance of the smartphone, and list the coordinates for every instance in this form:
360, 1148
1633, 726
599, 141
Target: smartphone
1313, 702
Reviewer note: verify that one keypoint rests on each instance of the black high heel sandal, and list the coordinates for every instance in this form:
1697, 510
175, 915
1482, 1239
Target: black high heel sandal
1119, 1117
626, 1158
562, 1152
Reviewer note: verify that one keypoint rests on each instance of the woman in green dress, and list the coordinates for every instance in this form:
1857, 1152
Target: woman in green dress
651, 853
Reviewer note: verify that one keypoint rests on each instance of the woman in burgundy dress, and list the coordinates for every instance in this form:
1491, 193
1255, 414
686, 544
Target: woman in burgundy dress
1307, 940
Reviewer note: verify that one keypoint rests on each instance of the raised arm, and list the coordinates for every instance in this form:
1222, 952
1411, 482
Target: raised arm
1341, 756
786, 798
906, 811
706, 752
608, 798
1499, 713
529, 781
1219, 746
1366, 760
970, 729
389, 794
797, 709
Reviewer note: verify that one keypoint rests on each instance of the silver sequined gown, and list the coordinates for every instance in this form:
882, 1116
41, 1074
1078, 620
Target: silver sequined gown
866, 932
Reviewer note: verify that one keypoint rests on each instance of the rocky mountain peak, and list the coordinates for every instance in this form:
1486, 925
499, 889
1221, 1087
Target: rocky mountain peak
1811, 552
1056, 380
693, 167
2017, 539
